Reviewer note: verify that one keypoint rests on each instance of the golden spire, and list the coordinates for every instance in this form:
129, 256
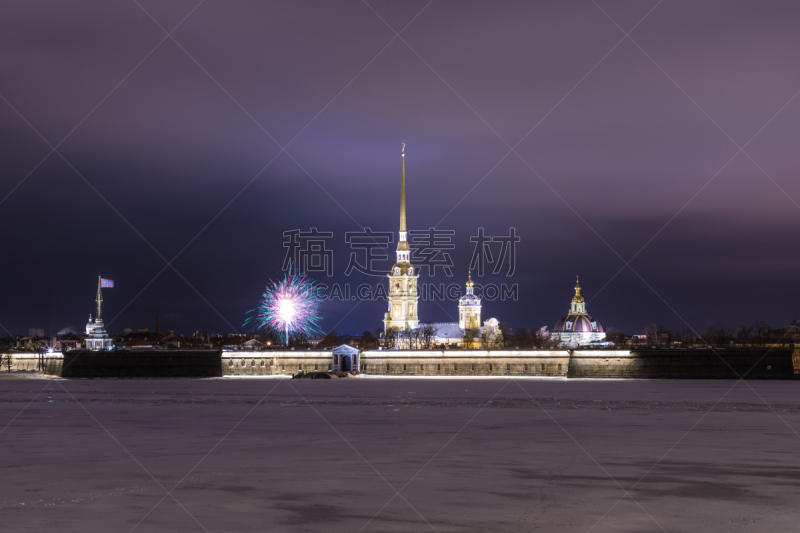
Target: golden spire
469, 281
402, 243
403, 188
577, 298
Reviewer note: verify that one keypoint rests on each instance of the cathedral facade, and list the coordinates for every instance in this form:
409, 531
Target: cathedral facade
403, 296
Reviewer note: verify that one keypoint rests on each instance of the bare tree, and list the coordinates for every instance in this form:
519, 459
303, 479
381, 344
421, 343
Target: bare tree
331, 340
471, 337
616, 336
653, 332
404, 338
6, 359
491, 341
505, 333
520, 338
760, 331
745, 334
545, 339
724, 334
427, 334
389, 338
415, 338
368, 341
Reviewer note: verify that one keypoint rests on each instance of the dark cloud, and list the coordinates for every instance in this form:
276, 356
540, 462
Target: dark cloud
606, 170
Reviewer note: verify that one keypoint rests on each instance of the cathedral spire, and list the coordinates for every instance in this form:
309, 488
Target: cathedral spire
403, 188
403, 296
402, 241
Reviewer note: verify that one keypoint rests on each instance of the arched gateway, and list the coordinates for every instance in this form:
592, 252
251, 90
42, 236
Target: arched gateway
345, 358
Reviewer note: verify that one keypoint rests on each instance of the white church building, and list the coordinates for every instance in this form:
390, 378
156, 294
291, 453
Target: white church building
96, 336
403, 296
578, 327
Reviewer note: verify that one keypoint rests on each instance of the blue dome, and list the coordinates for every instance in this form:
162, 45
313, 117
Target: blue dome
577, 324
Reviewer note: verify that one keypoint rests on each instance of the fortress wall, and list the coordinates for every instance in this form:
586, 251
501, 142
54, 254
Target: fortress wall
269, 363
777, 363
720, 363
142, 364
48, 364
466, 362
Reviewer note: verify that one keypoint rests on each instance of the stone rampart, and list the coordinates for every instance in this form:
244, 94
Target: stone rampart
719, 363
466, 362
274, 362
142, 364
46, 363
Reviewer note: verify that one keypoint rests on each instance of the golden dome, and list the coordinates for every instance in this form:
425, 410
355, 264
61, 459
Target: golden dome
469, 281
577, 298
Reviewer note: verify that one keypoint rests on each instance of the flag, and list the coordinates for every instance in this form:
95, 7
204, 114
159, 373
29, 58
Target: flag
106, 283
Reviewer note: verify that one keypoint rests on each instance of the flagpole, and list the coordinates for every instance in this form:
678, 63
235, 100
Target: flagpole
99, 299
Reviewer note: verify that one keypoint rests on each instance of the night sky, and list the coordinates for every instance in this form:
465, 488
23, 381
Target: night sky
257, 118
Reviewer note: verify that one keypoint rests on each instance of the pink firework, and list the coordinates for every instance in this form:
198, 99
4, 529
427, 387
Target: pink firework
289, 307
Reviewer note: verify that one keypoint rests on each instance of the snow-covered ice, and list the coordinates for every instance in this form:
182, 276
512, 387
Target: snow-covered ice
464, 454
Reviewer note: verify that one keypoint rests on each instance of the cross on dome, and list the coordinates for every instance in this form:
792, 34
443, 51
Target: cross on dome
578, 299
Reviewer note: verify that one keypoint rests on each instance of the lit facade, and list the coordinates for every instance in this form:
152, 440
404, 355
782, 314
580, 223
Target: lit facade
403, 295
578, 327
97, 338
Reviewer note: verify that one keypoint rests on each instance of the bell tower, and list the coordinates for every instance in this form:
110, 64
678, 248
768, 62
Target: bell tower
403, 295
469, 308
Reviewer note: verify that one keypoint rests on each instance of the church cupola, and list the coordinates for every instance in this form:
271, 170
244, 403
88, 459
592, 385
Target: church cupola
578, 304
469, 308
578, 328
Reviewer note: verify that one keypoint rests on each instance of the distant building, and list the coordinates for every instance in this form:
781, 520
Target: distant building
96, 336
578, 327
253, 344
468, 332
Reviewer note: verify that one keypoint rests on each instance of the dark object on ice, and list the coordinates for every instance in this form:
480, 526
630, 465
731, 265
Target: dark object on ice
302, 374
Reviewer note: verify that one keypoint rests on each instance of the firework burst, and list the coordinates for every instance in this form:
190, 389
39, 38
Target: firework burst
288, 306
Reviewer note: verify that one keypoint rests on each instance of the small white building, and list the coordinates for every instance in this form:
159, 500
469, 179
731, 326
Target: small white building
345, 358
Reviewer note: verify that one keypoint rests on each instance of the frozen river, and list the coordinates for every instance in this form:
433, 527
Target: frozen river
444, 455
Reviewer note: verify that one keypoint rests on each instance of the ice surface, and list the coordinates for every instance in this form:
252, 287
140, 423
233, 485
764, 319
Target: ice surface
465, 454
